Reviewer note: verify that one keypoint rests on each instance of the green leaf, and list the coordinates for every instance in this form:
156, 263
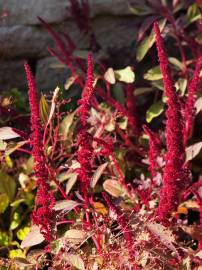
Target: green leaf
142, 90
23, 232
181, 85
158, 85
155, 110
15, 221
174, 61
66, 125
148, 42
7, 185
4, 238
193, 13
143, 49
4, 202
140, 10
199, 38
16, 253
2, 145
118, 93
43, 109
126, 75
153, 74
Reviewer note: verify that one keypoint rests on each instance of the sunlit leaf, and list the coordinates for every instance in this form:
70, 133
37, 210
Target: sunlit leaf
193, 13
155, 110
13, 146
126, 75
65, 205
181, 85
148, 42
112, 187
34, 237
193, 150
71, 181
7, 133
43, 109
22, 233
15, 220
53, 104
4, 202
174, 61
100, 208
198, 105
74, 235
153, 74
2, 145
7, 185
70, 81
66, 124
4, 238
16, 253
109, 76
97, 174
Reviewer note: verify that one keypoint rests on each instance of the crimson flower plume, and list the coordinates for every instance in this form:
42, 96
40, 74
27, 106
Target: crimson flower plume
175, 176
85, 151
44, 202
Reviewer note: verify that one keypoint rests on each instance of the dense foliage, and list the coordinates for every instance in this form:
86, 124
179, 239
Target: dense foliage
105, 172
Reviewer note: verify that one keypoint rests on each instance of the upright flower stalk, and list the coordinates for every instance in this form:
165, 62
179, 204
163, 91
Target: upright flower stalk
154, 150
175, 176
85, 151
43, 213
190, 110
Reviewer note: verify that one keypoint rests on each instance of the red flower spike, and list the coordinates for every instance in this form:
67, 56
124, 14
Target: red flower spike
155, 146
191, 99
85, 151
44, 202
176, 177
132, 111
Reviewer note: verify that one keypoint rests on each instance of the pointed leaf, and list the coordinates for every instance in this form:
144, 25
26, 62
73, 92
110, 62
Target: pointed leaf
43, 109
193, 150
7, 133
34, 237
153, 74
155, 110
65, 205
97, 174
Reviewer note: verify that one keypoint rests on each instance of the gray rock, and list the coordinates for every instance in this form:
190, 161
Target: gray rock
32, 41
23, 41
115, 32
12, 75
49, 74
109, 7
25, 12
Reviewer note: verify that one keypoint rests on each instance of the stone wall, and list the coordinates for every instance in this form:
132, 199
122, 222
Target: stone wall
22, 36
